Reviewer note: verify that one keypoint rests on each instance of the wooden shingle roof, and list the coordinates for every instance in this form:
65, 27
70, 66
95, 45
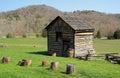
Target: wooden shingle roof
75, 23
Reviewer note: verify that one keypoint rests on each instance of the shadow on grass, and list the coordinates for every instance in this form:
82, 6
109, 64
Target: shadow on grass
63, 72
39, 53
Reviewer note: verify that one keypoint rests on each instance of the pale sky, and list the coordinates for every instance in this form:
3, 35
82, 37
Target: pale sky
106, 6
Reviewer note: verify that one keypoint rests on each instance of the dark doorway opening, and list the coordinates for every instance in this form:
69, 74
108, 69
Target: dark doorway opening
66, 46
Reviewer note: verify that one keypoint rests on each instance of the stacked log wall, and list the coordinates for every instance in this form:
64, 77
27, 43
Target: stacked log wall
67, 34
83, 43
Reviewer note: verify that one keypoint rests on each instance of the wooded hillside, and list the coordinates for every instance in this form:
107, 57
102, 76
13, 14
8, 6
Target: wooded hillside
33, 19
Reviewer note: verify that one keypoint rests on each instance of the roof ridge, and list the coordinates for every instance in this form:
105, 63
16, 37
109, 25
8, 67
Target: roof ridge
74, 22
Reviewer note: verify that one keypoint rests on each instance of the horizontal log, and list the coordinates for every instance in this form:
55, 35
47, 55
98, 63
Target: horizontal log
45, 63
79, 34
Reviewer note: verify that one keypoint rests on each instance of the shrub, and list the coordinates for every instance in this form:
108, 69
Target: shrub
117, 34
37, 35
9, 35
24, 35
98, 35
44, 33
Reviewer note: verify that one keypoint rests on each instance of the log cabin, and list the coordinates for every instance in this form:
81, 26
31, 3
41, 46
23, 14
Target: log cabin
70, 37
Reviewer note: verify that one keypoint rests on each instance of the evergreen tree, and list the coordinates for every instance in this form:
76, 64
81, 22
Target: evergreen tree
117, 34
9, 35
98, 35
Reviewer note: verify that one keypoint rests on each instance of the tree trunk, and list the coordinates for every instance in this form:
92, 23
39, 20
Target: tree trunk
6, 59
54, 54
45, 63
54, 65
71, 52
70, 69
25, 62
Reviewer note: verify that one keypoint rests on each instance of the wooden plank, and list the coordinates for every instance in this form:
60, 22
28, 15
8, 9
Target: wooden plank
79, 34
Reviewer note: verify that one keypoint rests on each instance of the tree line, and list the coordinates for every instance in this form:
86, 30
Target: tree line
33, 19
115, 35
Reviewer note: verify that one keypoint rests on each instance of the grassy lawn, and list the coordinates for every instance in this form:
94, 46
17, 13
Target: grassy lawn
102, 46
35, 49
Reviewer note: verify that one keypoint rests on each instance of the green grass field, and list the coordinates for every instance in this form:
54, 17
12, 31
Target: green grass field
23, 48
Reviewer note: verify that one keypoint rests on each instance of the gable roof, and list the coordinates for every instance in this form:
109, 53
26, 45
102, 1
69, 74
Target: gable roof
74, 22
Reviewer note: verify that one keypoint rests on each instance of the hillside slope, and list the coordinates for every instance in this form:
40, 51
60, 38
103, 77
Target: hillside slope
34, 18
28, 19
106, 23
